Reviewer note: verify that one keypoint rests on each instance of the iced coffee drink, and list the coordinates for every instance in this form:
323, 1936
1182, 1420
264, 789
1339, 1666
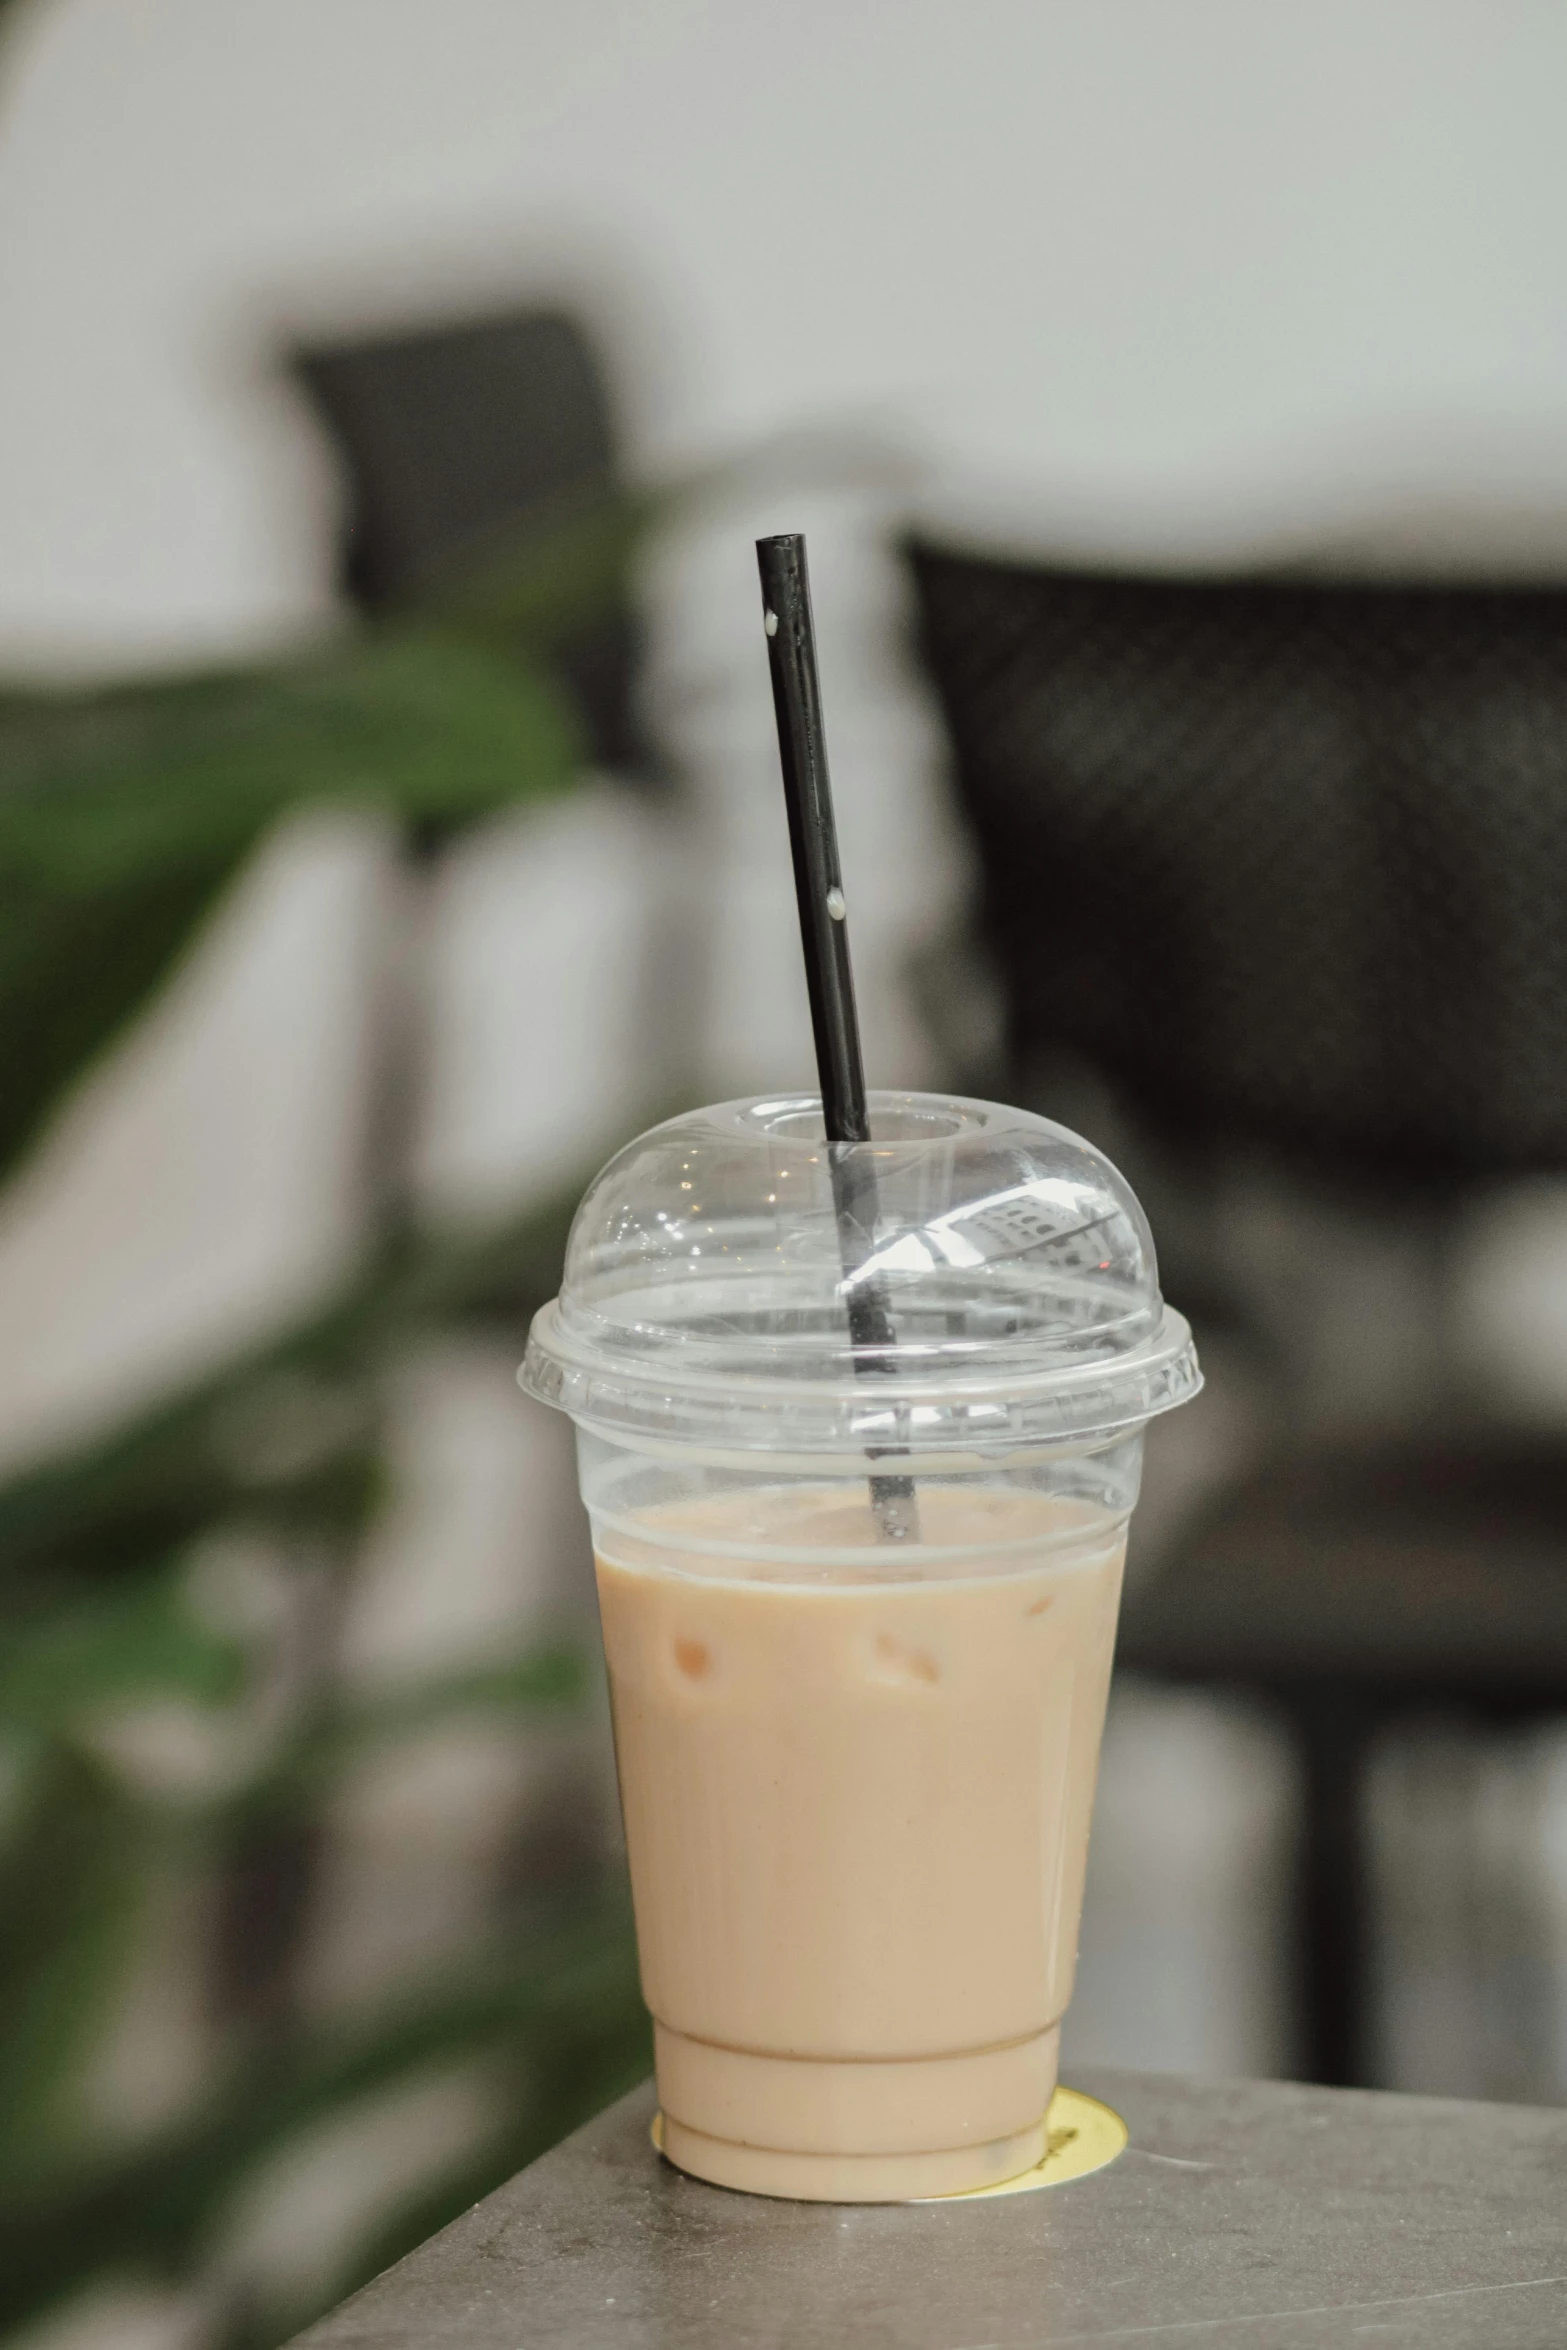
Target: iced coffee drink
857, 1772
857, 1818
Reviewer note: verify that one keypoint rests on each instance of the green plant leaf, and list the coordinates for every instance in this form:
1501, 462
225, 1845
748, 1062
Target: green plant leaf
124, 814
64, 1659
71, 1884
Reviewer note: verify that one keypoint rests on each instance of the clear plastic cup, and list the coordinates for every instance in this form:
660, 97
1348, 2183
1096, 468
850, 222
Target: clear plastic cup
857, 1737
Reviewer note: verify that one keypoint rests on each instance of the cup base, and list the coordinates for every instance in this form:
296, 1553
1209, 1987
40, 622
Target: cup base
851, 2178
867, 2130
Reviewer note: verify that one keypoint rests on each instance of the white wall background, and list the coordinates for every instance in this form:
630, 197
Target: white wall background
1127, 249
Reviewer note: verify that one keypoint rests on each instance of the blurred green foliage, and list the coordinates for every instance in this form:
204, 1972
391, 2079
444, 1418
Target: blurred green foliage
124, 813
124, 816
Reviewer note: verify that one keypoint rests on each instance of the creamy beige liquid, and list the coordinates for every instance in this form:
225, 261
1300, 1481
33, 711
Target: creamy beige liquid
857, 1811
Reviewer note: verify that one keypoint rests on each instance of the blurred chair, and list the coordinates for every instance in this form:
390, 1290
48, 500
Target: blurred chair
1286, 862
463, 441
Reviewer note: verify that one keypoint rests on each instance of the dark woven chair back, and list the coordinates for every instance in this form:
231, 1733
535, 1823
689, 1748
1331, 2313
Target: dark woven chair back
1287, 859
459, 438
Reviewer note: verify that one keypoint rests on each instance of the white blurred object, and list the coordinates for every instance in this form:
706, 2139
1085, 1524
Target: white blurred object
1550, 1758
1427, 2017
1351, 1302
311, 2210
1469, 1841
1181, 1959
205, 1183
557, 1019
483, 1551
484, 1541
1509, 1312
557, 1006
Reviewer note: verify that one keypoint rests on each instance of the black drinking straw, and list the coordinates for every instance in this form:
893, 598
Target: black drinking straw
824, 933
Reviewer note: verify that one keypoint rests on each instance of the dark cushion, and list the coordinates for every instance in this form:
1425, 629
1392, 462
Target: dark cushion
1435, 1570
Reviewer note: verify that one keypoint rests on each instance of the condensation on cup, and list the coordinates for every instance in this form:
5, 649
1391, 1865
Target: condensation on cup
857, 1757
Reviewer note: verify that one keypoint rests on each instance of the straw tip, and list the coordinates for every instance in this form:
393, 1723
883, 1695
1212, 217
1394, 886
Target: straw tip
781, 558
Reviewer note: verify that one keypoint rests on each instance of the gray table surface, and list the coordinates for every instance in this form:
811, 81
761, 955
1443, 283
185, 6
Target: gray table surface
1244, 2215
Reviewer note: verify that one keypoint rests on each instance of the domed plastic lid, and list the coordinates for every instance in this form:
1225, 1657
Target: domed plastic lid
708, 1293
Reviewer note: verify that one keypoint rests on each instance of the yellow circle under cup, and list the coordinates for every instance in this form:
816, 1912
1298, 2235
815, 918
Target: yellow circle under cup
1081, 2135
